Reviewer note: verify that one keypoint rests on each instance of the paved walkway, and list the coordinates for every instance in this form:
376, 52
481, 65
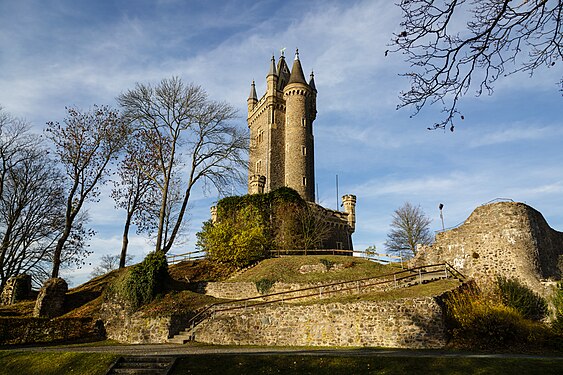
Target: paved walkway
195, 349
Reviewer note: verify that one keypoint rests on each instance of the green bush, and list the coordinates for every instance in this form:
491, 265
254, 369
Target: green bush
518, 296
144, 281
478, 321
239, 239
327, 263
264, 285
557, 323
249, 225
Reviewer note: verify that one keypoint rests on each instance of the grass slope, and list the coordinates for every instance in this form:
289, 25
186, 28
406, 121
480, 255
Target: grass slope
36, 363
286, 269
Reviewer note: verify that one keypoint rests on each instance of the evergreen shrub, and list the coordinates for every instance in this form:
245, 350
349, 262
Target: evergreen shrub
264, 285
557, 323
518, 296
144, 281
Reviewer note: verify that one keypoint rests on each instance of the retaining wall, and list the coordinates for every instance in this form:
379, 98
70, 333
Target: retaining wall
403, 323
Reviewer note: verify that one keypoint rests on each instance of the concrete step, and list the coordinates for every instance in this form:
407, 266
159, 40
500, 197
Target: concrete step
181, 338
149, 365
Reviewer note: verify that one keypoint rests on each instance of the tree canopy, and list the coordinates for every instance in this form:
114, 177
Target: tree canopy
191, 138
456, 45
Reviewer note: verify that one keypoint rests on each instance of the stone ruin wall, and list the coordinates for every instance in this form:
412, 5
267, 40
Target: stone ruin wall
506, 238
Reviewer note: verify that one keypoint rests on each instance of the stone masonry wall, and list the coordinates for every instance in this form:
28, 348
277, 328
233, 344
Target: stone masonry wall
406, 323
17, 288
135, 328
507, 238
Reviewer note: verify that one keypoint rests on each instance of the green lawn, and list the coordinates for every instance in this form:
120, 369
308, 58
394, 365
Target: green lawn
36, 363
54, 363
330, 365
286, 269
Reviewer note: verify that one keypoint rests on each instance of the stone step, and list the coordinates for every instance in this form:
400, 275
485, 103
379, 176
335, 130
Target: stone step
153, 365
180, 338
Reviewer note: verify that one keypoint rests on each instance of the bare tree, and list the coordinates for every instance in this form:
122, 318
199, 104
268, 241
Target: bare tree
85, 144
191, 138
313, 225
409, 227
14, 137
448, 59
109, 263
31, 205
136, 192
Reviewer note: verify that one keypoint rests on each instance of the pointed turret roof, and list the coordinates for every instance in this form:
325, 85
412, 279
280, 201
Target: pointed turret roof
253, 95
297, 75
273, 67
283, 72
312, 81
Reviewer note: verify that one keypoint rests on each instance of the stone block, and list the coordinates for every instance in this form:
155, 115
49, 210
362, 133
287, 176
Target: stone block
51, 299
17, 289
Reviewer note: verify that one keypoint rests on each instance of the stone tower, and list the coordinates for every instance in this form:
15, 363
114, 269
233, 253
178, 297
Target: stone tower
281, 131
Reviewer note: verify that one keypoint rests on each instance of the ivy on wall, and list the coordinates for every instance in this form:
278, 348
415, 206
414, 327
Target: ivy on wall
250, 225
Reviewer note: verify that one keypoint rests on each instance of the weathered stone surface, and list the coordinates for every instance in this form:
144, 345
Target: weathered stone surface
405, 323
135, 328
17, 288
51, 299
312, 268
508, 239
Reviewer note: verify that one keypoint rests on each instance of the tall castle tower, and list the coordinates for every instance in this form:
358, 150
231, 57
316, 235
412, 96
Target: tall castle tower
281, 131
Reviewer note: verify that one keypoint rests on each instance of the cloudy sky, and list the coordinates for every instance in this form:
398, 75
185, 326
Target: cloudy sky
57, 53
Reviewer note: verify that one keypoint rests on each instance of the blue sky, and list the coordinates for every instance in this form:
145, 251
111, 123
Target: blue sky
79, 53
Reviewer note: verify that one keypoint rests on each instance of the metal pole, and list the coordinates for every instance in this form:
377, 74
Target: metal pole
441, 206
337, 206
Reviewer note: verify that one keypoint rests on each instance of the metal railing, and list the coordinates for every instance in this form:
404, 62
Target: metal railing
310, 252
177, 258
418, 275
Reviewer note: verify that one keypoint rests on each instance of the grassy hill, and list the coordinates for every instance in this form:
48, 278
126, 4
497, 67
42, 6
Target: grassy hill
313, 269
86, 299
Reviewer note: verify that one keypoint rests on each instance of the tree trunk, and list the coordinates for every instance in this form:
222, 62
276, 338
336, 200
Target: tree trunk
125, 241
59, 250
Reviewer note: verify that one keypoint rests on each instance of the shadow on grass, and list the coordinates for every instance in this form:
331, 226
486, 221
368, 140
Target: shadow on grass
306, 364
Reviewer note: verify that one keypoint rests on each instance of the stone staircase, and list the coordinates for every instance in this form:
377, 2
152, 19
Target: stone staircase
149, 365
182, 337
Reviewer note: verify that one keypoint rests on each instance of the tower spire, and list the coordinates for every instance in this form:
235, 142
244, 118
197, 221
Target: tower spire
253, 95
272, 70
297, 75
312, 81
